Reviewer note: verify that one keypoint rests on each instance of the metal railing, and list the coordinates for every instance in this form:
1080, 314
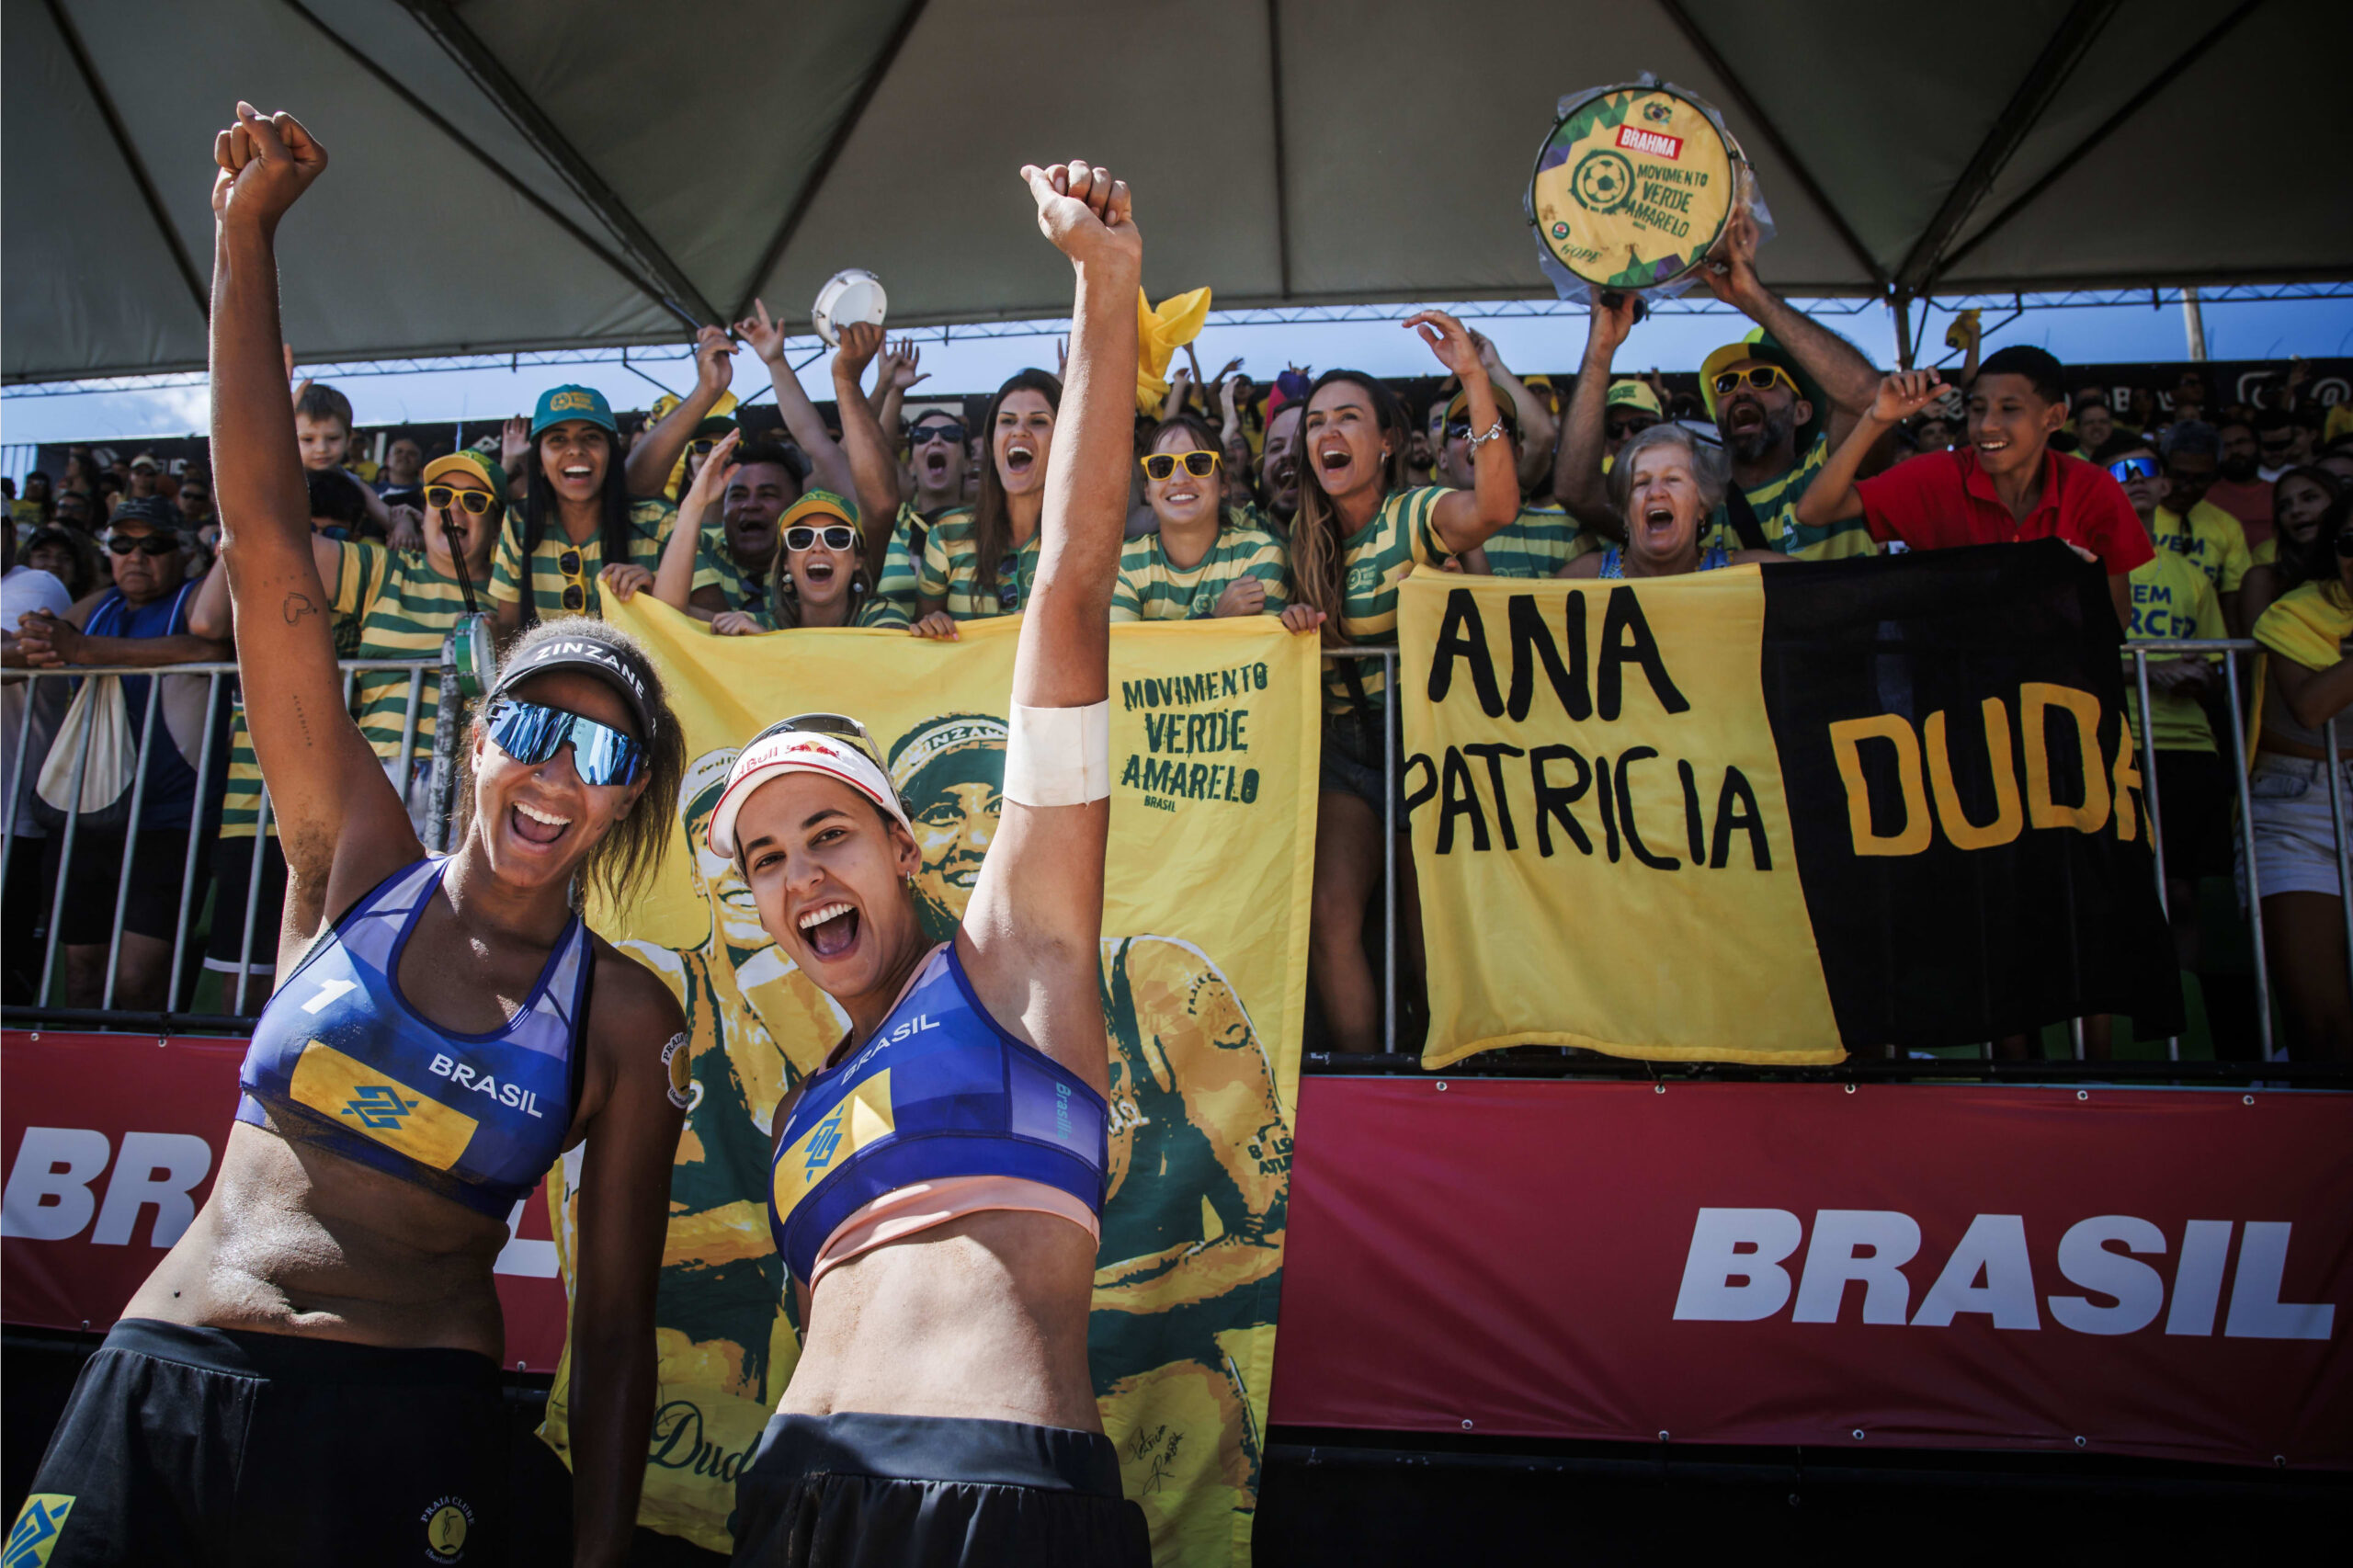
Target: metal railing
46, 694
2138, 654
434, 812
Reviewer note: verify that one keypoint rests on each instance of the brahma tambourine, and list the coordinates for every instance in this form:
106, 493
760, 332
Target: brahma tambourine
1633, 187
472, 649
849, 296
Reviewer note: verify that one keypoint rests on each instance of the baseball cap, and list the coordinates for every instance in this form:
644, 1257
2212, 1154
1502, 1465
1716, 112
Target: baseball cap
2191, 437
818, 503
592, 655
560, 404
152, 512
1458, 407
787, 748
1633, 394
468, 461
146, 460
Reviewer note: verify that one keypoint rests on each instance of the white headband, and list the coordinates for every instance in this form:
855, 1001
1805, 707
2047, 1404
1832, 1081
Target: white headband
798, 751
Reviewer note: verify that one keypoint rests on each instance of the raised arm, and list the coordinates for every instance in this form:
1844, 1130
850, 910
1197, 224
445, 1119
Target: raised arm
1832, 495
1538, 429
1845, 378
1035, 924
674, 579
1466, 519
873, 468
1576, 471
655, 452
340, 821
828, 467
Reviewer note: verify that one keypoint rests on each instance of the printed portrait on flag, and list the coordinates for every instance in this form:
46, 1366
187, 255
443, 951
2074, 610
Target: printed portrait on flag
1203, 957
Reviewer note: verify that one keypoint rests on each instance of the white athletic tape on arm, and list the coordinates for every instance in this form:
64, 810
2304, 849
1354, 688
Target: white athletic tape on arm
1059, 756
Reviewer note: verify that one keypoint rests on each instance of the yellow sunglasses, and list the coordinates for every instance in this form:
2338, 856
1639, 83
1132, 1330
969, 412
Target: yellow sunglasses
1163, 465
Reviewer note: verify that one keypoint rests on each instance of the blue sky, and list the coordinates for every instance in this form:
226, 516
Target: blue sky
2266, 329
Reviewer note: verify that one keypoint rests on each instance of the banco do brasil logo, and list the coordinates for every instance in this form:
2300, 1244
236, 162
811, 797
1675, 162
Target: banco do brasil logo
827, 1138
1603, 181
378, 1105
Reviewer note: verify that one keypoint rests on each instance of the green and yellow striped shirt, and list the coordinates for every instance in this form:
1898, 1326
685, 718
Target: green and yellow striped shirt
649, 524
903, 562
1775, 502
952, 570
716, 567
241, 800
1153, 588
1399, 537
1536, 543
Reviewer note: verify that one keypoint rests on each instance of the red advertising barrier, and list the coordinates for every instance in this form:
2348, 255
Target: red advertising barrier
110, 1142
2160, 1272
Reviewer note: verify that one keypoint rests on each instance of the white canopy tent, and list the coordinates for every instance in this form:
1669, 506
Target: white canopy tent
514, 174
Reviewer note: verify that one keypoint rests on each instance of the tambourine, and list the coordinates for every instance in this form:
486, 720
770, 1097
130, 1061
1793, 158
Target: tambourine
1633, 186
473, 649
849, 296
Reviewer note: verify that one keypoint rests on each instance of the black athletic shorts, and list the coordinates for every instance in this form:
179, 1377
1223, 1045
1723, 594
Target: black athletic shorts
215, 1447
153, 908
232, 877
915, 1490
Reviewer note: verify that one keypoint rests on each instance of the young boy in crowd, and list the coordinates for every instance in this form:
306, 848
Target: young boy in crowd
2006, 484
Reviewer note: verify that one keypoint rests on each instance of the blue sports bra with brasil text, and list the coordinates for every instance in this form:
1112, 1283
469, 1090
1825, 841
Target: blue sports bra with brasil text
341, 1060
940, 1091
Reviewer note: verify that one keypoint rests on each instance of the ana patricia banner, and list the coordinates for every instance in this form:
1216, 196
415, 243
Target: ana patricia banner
1766, 814
111, 1142
2160, 1272
1213, 744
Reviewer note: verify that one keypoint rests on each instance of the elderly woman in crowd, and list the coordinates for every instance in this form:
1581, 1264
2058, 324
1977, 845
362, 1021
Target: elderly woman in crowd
1665, 482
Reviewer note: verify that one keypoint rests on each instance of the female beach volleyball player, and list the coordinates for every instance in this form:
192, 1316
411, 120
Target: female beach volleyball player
937, 1186
310, 1375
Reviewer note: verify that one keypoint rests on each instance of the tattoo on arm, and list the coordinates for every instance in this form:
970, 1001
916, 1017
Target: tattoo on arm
297, 605
305, 719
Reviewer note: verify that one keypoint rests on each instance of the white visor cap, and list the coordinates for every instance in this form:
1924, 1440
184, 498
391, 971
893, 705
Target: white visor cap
798, 751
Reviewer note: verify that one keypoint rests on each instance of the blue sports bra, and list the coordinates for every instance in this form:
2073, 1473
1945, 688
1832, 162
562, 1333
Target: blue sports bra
1613, 560
340, 1060
940, 1090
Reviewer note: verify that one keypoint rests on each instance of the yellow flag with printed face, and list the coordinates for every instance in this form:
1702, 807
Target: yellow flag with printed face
1214, 739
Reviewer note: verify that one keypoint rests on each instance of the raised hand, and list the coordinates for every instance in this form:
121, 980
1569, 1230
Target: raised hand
858, 343
406, 530
514, 444
1448, 339
1088, 215
1233, 391
1608, 320
265, 166
1905, 393
1731, 271
710, 482
905, 359
765, 335
714, 360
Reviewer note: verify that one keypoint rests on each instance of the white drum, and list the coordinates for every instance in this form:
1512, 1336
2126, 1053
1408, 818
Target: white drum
849, 296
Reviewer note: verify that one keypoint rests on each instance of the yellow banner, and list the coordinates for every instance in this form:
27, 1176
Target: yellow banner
1214, 743
1599, 823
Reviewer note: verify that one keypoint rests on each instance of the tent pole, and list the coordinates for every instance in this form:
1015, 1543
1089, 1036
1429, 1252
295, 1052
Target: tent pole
1282, 172
2193, 320
1901, 303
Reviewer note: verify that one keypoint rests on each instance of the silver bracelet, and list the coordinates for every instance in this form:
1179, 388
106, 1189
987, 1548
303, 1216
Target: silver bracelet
1493, 431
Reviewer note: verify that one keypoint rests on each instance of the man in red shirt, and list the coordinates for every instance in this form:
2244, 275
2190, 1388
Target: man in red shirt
2006, 486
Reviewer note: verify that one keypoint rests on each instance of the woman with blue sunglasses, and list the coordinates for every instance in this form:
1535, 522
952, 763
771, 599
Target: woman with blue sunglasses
312, 1372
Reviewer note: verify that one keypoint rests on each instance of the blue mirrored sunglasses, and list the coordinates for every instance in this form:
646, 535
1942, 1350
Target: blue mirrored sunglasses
531, 733
2126, 468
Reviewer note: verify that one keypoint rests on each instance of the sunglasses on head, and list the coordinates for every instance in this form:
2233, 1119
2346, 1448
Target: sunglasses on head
835, 726
1756, 376
804, 536
2126, 469
145, 544
949, 430
441, 497
532, 732
1163, 465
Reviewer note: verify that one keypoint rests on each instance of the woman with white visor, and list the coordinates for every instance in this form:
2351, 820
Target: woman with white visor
937, 1186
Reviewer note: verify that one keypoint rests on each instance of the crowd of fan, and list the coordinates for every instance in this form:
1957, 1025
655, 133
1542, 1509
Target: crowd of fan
1309, 497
